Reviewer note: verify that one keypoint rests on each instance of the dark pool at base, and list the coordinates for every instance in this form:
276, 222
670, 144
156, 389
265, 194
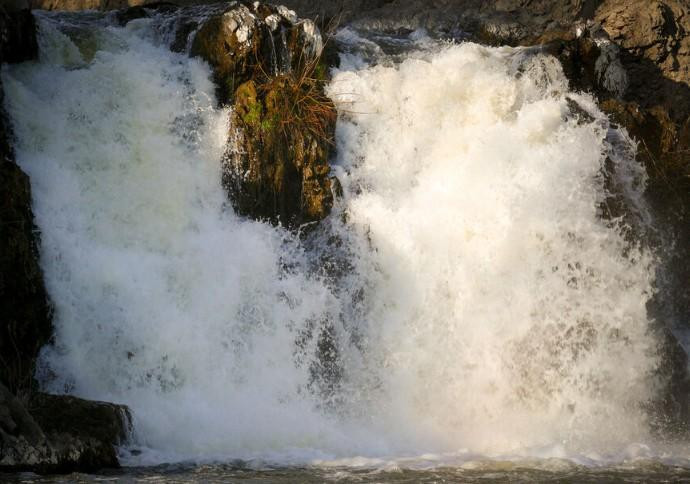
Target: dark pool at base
648, 472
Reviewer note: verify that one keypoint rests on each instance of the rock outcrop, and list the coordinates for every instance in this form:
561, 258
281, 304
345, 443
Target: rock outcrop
25, 324
57, 433
266, 62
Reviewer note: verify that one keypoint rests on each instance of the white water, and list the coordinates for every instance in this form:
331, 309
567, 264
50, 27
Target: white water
488, 308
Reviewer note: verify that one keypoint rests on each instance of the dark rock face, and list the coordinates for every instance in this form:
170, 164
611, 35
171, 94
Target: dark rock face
59, 433
17, 35
25, 325
267, 62
83, 433
22, 442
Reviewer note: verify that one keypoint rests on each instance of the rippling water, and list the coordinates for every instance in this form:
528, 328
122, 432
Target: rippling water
481, 472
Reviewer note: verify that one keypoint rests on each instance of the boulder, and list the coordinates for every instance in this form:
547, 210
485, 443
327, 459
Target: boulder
268, 63
57, 433
83, 433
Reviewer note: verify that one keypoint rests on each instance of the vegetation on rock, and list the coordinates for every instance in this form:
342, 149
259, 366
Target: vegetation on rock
269, 65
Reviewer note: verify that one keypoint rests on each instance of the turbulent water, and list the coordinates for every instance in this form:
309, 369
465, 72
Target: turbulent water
469, 298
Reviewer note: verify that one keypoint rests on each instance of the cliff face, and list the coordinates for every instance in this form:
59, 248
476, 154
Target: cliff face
25, 325
655, 108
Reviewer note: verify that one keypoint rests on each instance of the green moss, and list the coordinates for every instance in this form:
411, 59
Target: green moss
254, 113
269, 123
321, 71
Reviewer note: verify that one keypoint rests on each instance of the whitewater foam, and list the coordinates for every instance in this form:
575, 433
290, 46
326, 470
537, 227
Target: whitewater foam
508, 315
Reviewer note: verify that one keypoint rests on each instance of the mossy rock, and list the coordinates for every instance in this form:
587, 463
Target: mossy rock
281, 171
266, 62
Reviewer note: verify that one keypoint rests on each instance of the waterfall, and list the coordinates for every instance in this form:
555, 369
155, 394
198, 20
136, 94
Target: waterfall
466, 297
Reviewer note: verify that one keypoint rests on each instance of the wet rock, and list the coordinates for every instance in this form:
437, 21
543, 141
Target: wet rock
56, 433
22, 442
17, 35
143, 11
83, 433
267, 62
25, 325
250, 41
279, 168
15, 420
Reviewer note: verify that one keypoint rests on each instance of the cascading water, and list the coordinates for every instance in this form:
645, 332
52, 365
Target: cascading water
480, 303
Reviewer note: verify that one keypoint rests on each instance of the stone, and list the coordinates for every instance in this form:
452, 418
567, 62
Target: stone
267, 63
25, 325
83, 433
57, 433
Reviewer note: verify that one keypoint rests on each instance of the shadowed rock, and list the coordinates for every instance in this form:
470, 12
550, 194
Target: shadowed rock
25, 323
59, 433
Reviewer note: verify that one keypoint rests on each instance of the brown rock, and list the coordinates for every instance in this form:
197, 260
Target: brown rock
268, 62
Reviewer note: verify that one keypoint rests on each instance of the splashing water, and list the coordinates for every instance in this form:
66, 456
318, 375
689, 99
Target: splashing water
475, 300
